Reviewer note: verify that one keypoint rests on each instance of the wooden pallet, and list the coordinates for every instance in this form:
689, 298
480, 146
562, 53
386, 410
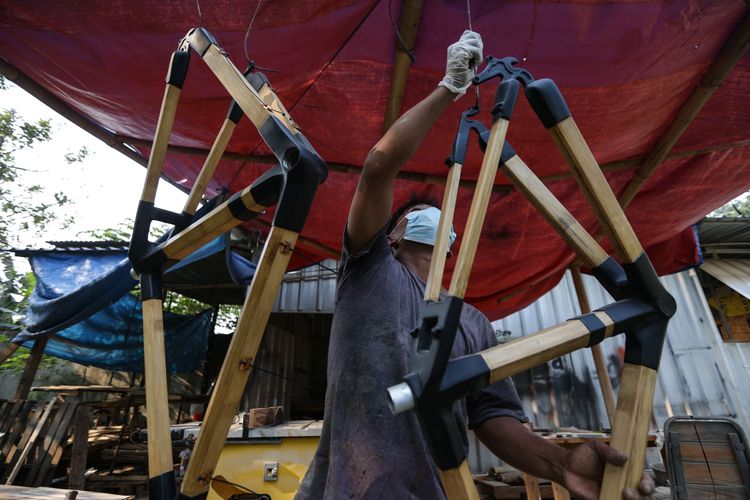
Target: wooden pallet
34, 440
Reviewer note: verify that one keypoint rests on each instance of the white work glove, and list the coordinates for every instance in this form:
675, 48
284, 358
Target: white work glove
463, 57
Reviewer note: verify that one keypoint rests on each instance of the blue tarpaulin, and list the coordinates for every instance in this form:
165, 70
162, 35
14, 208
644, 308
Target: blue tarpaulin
82, 303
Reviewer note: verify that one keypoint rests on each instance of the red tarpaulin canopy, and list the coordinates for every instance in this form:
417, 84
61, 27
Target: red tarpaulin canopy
625, 68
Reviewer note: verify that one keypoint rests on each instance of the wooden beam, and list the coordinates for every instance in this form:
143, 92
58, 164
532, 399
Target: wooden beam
32, 365
14, 75
735, 47
32, 440
8, 350
605, 384
79, 451
346, 168
411, 11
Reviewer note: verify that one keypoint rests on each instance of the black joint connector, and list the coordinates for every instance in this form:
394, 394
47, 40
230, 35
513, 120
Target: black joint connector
507, 154
305, 172
505, 100
461, 141
178, 68
445, 435
504, 68
200, 40
267, 188
235, 113
612, 277
151, 286
644, 283
644, 344
595, 326
162, 486
547, 101
238, 208
256, 80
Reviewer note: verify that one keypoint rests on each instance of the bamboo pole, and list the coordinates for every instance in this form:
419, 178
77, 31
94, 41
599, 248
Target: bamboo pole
7, 351
735, 47
605, 384
32, 365
411, 11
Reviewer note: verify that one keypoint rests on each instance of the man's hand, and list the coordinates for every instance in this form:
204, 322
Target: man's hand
583, 469
463, 57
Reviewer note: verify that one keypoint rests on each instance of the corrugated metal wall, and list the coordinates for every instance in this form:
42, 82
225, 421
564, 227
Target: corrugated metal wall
699, 374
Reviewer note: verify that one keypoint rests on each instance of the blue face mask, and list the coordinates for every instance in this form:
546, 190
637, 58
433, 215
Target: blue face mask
422, 226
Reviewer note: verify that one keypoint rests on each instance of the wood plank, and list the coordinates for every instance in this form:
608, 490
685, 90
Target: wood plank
29, 371
218, 221
42, 448
602, 375
26, 493
527, 352
478, 210
32, 439
723, 492
632, 419
597, 190
8, 350
714, 473
161, 141
559, 492
54, 451
458, 483
27, 430
19, 423
80, 449
569, 229
692, 451
209, 166
442, 245
531, 486
157, 407
242, 351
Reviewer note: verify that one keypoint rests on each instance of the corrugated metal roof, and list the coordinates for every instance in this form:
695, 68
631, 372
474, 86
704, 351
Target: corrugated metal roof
725, 236
735, 273
699, 374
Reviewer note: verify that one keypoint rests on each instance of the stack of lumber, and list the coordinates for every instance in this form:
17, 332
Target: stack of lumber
33, 440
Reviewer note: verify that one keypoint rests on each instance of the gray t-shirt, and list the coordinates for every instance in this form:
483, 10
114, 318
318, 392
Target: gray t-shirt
365, 451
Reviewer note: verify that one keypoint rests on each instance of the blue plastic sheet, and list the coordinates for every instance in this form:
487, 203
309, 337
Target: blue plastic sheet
82, 303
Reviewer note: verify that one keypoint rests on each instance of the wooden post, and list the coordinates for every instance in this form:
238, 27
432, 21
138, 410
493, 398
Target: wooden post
459, 483
160, 466
605, 384
7, 351
207, 171
31, 441
29, 371
79, 451
411, 11
239, 360
442, 244
730, 54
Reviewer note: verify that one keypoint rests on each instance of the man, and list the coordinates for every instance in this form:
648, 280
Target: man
366, 452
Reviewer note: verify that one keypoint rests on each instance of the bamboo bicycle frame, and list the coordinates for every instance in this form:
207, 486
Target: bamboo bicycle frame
291, 186
642, 311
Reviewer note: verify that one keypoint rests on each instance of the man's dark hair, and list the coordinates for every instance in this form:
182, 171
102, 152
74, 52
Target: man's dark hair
413, 200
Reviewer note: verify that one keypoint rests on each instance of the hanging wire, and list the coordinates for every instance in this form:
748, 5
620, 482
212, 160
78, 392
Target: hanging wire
468, 16
401, 44
250, 63
200, 14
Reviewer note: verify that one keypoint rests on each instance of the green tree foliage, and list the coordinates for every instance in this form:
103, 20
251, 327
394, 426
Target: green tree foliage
23, 209
739, 207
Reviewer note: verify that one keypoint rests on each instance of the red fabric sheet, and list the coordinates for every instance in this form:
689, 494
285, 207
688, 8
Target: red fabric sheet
625, 69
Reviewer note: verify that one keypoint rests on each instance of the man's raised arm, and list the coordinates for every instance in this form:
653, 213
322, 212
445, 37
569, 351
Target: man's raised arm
371, 205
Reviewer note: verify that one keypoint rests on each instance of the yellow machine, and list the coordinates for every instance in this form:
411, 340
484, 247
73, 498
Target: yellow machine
270, 460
